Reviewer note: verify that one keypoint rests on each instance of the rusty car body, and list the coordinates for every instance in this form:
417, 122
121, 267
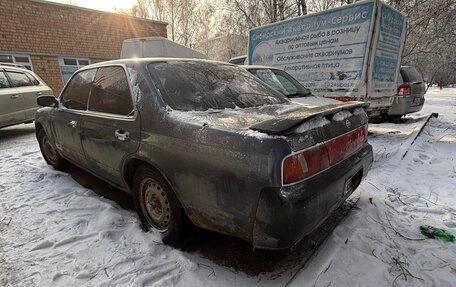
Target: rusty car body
229, 153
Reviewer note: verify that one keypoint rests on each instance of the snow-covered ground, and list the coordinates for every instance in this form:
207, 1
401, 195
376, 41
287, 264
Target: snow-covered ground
55, 232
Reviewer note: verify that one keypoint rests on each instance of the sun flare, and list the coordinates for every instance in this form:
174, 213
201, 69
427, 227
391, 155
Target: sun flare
103, 5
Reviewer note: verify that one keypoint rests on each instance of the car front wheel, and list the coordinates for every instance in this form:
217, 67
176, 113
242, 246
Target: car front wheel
157, 205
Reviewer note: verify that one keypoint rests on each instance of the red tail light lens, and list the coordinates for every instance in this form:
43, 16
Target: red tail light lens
344, 99
343, 146
301, 165
404, 90
304, 164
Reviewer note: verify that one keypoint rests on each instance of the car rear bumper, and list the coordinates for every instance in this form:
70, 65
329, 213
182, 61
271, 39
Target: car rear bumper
285, 215
406, 105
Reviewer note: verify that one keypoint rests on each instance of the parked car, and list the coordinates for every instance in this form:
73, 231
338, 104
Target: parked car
19, 89
209, 142
286, 84
410, 93
279, 80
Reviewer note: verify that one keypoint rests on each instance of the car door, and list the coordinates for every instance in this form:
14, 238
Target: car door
38, 89
11, 105
26, 90
67, 118
111, 127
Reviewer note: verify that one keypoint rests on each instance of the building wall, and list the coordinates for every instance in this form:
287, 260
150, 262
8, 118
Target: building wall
47, 67
47, 31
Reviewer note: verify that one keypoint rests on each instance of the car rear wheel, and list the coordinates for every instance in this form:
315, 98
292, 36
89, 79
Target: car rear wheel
49, 152
157, 205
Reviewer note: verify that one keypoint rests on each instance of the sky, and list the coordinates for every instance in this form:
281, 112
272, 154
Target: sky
104, 5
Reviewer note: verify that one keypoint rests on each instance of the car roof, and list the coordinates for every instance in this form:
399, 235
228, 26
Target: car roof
239, 57
14, 67
132, 61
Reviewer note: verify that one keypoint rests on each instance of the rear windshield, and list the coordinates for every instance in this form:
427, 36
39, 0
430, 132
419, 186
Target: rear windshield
410, 75
199, 86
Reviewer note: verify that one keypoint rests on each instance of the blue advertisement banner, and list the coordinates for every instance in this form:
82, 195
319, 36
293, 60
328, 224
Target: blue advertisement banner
387, 51
327, 52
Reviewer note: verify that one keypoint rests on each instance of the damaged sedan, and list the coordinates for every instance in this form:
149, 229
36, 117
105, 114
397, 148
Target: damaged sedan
207, 143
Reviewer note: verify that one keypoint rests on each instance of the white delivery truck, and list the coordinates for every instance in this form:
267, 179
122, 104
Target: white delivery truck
157, 47
348, 53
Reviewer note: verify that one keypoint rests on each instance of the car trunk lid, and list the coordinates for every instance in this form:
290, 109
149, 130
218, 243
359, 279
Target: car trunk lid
286, 123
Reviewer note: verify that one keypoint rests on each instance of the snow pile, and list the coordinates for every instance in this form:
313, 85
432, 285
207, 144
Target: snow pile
60, 233
311, 124
255, 134
380, 244
340, 116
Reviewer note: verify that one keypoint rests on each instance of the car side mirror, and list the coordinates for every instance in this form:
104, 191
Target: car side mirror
47, 101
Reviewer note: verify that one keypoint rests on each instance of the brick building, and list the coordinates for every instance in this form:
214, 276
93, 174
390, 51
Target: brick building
54, 40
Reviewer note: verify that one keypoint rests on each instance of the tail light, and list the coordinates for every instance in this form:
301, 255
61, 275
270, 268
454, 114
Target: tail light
344, 99
404, 90
304, 164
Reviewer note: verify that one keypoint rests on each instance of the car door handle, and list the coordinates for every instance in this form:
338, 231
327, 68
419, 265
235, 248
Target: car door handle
122, 135
14, 97
73, 124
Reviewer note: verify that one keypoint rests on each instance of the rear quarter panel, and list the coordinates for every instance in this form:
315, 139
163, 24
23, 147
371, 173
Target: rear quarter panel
217, 175
44, 119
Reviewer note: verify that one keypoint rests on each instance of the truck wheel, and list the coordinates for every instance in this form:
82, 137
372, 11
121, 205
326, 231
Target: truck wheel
157, 205
49, 152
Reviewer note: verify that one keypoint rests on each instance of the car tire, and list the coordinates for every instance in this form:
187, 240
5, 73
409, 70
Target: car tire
49, 152
158, 206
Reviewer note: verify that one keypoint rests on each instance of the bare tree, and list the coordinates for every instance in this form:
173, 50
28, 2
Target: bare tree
302, 7
430, 38
185, 18
322, 5
253, 13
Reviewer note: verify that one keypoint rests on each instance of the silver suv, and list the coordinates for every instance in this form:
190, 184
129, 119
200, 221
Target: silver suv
410, 93
19, 89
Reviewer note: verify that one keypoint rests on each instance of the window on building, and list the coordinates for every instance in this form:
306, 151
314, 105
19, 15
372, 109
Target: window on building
3, 81
76, 93
19, 79
70, 65
110, 92
23, 60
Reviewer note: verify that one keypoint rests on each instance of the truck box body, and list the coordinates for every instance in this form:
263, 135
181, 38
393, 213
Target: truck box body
351, 52
156, 47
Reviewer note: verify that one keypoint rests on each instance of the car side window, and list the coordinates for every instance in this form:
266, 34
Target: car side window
19, 79
33, 79
110, 92
76, 93
4, 81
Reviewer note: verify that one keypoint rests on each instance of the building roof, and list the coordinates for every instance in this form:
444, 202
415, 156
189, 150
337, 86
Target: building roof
46, 2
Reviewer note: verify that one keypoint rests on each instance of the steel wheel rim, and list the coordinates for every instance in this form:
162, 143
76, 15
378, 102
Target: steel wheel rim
49, 150
156, 205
